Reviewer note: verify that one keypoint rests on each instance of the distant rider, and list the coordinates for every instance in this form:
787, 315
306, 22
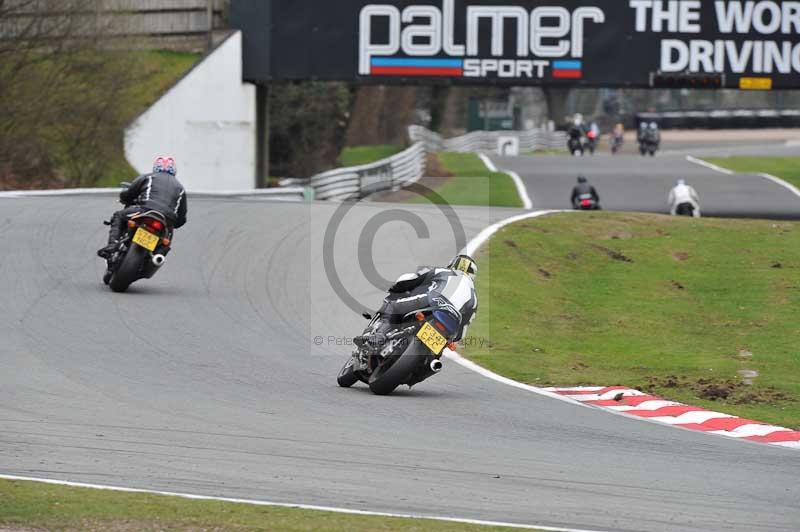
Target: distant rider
157, 191
617, 137
583, 190
409, 292
576, 131
684, 200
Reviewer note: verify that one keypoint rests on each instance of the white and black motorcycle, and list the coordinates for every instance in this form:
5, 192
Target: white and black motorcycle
408, 335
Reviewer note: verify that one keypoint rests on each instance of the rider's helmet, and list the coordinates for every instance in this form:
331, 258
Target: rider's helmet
581, 179
165, 165
680, 182
464, 263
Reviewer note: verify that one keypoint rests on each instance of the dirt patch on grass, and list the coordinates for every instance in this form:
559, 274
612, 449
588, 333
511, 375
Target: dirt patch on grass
616, 255
680, 256
677, 286
730, 391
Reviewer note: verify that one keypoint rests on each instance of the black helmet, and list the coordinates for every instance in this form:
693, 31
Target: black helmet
464, 263
581, 179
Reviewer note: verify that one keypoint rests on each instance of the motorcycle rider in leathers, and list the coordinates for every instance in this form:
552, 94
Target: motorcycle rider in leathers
405, 296
157, 191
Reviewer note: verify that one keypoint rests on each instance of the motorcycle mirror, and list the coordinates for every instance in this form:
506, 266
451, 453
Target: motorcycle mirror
366, 315
125, 184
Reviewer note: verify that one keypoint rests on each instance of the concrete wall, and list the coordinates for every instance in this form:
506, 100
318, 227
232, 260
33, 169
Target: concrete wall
206, 121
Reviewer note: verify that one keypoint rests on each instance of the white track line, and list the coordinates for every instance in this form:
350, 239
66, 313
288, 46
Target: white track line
707, 164
794, 190
777, 180
487, 233
296, 506
522, 190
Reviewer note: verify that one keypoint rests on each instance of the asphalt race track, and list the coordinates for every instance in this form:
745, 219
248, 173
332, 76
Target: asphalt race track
207, 379
634, 183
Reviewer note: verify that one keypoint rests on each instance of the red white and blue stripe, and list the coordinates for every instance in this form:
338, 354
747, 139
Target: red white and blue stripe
395, 66
567, 69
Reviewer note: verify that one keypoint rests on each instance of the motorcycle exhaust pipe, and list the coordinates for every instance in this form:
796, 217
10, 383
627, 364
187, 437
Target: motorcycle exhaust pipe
158, 260
436, 365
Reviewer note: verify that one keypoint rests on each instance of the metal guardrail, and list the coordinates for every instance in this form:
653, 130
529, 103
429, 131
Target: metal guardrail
360, 181
409, 166
724, 119
486, 141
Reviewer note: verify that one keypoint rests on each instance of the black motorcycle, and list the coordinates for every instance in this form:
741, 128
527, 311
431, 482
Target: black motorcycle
685, 209
586, 202
409, 352
649, 144
575, 146
616, 143
140, 252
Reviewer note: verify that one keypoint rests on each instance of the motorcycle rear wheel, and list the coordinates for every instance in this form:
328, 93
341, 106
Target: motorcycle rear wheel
397, 370
128, 270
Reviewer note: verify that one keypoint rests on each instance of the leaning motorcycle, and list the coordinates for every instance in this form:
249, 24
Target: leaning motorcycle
140, 252
410, 351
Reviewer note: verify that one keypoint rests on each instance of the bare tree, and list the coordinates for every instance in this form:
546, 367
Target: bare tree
58, 87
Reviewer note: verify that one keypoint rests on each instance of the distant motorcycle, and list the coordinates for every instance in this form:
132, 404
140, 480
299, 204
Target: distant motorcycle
412, 348
616, 143
141, 251
575, 146
649, 140
591, 141
648, 147
586, 202
685, 209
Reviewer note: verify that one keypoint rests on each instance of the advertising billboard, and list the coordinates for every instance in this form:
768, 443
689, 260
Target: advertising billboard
604, 43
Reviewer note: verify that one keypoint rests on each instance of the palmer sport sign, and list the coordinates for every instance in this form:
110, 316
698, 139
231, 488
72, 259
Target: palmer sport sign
638, 43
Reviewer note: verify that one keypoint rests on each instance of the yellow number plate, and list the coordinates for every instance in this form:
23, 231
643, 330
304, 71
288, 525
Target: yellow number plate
431, 338
146, 239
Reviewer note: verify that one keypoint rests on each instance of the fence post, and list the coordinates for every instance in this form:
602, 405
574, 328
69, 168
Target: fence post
262, 135
210, 16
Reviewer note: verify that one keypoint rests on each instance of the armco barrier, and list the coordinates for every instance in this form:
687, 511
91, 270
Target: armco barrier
724, 119
486, 141
361, 181
409, 166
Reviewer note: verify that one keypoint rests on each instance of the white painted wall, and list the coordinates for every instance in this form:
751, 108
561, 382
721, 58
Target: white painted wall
206, 121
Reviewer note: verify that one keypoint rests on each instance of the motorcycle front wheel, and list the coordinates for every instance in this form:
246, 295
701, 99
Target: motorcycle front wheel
347, 375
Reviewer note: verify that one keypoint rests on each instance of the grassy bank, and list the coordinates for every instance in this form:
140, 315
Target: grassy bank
161, 69
58, 508
472, 183
358, 155
787, 168
674, 306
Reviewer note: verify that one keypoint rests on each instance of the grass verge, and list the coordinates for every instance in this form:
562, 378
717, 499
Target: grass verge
358, 155
673, 306
472, 184
161, 69
787, 168
52, 507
